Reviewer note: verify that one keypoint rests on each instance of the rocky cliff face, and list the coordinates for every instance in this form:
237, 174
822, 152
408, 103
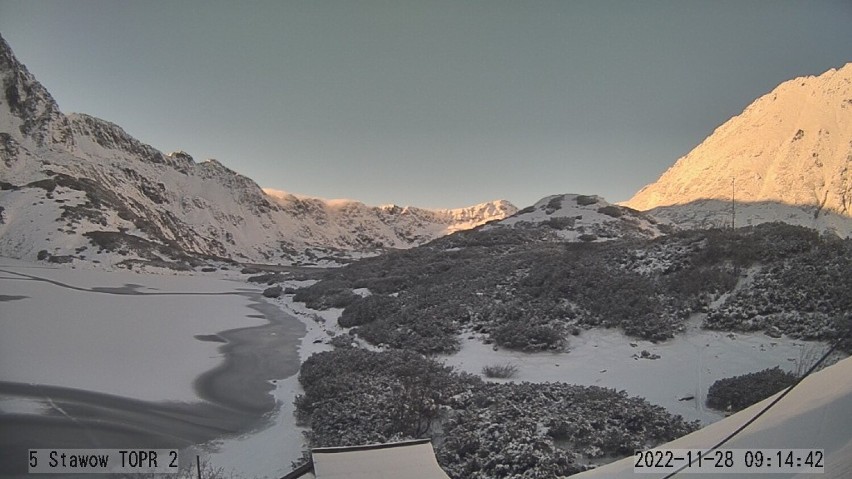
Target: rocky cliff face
29, 110
75, 186
791, 147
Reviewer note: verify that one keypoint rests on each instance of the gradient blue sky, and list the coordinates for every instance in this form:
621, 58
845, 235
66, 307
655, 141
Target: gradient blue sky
429, 103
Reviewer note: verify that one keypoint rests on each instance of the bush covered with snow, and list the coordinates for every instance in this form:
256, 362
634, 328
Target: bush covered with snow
525, 290
804, 295
326, 294
739, 392
584, 200
272, 292
501, 371
368, 309
547, 430
354, 396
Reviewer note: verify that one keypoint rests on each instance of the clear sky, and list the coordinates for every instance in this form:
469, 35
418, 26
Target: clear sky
428, 103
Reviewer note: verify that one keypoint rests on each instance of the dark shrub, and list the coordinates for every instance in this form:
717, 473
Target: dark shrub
740, 392
584, 200
611, 210
553, 205
272, 292
342, 341
561, 223
61, 259
526, 337
267, 278
326, 294
365, 310
501, 371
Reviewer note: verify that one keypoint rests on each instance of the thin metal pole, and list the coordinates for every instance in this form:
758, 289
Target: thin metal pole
733, 203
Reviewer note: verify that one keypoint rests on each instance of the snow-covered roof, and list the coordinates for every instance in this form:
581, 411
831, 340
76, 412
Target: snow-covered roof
408, 459
816, 414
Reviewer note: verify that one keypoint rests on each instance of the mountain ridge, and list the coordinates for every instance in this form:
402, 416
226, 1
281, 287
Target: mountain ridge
78, 187
791, 146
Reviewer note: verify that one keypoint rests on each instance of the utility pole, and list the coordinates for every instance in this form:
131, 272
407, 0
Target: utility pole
733, 203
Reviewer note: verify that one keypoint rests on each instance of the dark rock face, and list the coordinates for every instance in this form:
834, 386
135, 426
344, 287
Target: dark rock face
26, 99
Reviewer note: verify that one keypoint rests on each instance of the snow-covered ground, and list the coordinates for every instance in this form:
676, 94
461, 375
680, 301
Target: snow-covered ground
814, 415
675, 374
715, 213
686, 367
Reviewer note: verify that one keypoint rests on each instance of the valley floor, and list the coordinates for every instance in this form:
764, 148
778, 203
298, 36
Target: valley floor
678, 380
114, 359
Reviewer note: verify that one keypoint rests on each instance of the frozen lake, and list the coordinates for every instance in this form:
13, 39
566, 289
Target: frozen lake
92, 358
121, 333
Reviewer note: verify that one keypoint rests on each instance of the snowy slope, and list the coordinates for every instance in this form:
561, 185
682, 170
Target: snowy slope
814, 415
584, 218
703, 214
77, 185
791, 147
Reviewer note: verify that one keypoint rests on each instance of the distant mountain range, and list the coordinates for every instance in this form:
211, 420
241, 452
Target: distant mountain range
75, 186
787, 157
78, 187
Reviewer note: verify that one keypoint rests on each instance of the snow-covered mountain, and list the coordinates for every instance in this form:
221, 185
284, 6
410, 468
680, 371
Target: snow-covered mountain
584, 218
75, 185
353, 222
787, 157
